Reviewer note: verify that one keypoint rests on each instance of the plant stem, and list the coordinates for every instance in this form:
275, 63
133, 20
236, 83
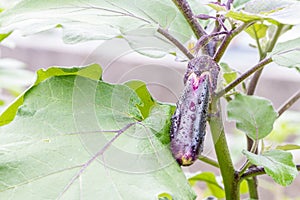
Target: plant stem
244, 167
186, 10
254, 80
252, 185
209, 161
289, 103
240, 79
252, 182
255, 171
227, 39
178, 44
221, 148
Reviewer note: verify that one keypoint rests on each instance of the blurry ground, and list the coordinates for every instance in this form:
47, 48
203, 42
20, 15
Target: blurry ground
164, 80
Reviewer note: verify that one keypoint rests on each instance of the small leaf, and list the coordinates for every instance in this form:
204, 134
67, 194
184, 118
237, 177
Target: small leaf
4, 35
288, 147
277, 163
287, 54
229, 74
253, 115
257, 30
244, 187
165, 196
210, 179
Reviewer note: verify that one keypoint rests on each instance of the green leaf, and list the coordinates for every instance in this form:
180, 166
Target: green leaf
79, 137
4, 35
267, 6
239, 3
287, 54
244, 187
257, 30
288, 147
140, 88
210, 179
92, 71
284, 12
243, 16
277, 163
253, 115
217, 7
165, 196
229, 74
102, 20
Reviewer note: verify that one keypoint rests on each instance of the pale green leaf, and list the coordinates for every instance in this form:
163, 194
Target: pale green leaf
277, 163
77, 137
287, 54
253, 115
102, 20
239, 3
284, 12
267, 6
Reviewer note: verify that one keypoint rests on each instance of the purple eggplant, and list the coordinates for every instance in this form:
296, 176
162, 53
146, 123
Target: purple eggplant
189, 120
188, 124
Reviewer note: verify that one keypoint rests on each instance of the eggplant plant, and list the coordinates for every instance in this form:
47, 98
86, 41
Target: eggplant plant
72, 135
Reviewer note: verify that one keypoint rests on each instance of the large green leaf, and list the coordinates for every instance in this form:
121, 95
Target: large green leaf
79, 138
277, 163
253, 115
287, 54
136, 21
92, 71
285, 12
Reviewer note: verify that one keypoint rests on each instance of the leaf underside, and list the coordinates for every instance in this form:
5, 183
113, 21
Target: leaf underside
76, 137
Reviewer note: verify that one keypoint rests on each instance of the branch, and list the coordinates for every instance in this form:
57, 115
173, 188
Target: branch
209, 161
254, 80
240, 79
289, 103
255, 171
186, 10
227, 39
178, 44
94, 157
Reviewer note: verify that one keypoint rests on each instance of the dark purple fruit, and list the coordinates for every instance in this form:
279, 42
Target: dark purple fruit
189, 120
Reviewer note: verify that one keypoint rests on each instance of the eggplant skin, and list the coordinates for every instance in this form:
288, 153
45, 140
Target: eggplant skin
188, 124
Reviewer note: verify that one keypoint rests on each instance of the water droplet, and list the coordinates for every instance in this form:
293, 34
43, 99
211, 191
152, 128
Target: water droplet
192, 106
193, 117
